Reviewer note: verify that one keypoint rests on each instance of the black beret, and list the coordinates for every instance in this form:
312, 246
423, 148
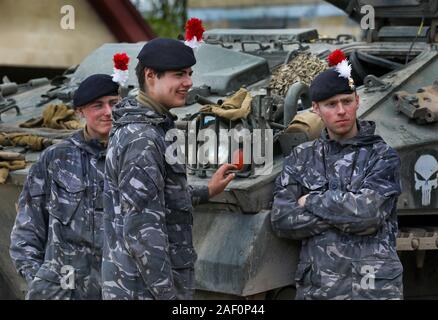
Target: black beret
162, 54
328, 84
94, 87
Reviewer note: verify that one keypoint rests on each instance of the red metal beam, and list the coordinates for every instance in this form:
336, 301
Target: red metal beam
123, 20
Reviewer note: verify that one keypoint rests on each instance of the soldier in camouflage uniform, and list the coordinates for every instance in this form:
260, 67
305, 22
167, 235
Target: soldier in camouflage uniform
148, 249
338, 195
56, 243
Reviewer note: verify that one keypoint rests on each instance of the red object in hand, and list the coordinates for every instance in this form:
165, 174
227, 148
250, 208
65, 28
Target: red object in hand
237, 159
121, 61
336, 57
194, 28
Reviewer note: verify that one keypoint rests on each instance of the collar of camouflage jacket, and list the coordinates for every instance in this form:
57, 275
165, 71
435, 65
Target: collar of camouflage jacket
147, 101
365, 135
91, 146
129, 111
88, 138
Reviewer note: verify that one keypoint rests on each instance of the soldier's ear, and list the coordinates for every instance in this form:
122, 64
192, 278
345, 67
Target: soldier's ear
315, 108
80, 112
149, 77
149, 73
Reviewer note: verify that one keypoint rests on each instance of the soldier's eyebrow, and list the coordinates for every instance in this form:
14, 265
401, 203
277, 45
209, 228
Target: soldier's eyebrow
331, 101
179, 72
184, 71
93, 104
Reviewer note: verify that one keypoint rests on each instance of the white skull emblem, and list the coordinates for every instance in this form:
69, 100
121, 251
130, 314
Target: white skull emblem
426, 178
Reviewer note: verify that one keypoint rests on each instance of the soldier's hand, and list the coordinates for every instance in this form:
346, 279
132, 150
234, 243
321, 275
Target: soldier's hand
302, 200
220, 179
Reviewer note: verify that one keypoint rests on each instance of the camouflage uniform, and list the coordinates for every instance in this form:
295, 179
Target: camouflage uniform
59, 222
348, 225
148, 250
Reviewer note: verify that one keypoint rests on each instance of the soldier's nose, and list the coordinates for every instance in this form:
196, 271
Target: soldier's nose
188, 82
340, 108
107, 108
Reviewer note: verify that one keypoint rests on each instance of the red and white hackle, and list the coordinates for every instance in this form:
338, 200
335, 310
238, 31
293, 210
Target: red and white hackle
194, 32
338, 60
121, 72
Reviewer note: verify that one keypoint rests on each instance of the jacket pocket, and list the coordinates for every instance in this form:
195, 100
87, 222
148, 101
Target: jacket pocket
317, 283
49, 275
182, 257
67, 192
47, 286
377, 279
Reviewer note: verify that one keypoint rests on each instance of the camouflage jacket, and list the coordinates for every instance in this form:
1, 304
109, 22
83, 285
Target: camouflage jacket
348, 225
59, 222
148, 249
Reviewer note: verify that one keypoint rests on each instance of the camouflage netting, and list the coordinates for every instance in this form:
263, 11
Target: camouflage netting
303, 68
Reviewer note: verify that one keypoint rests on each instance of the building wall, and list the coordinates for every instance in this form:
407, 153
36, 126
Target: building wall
31, 34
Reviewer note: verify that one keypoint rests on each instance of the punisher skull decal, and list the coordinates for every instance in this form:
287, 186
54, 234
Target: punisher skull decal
426, 177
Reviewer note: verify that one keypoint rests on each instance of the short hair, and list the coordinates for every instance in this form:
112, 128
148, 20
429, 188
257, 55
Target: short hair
139, 72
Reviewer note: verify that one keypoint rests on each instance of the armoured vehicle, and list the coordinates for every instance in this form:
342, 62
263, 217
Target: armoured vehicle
395, 66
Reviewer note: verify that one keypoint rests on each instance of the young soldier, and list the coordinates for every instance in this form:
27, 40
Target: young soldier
148, 251
338, 195
56, 243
